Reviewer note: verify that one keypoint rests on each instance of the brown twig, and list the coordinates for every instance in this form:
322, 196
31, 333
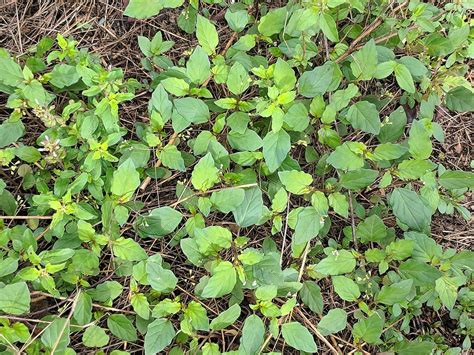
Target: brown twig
316, 331
71, 312
373, 26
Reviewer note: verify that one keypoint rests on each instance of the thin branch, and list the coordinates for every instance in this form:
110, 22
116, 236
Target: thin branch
71, 312
373, 26
316, 331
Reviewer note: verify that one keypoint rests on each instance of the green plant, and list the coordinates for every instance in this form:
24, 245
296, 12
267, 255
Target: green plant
295, 170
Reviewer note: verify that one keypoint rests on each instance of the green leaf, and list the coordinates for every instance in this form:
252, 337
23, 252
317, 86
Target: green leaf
394, 127
284, 76
298, 337
311, 296
404, 78
238, 121
227, 200
140, 305
192, 110
410, 209
415, 66
421, 273
333, 322
83, 310
319, 80
447, 289
420, 347
276, 146
237, 20
210, 349
226, 318
95, 337
28, 154
297, 117
400, 249
198, 66
159, 335
196, 315
388, 151
212, 239
160, 221
369, 329
452, 180
364, 116
308, 224
171, 157
58, 329
160, 279
358, 179
337, 263
175, 86
273, 22
10, 72
161, 103
222, 281
339, 204
10, 131
345, 159
64, 75
364, 64
460, 99
143, 8
126, 180
247, 141
253, 333
128, 249
385, 69
412, 169
206, 34
394, 293
346, 288
372, 229
329, 27
8, 203
296, 182
419, 141
238, 79
121, 327
250, 210
205, 174
15, 298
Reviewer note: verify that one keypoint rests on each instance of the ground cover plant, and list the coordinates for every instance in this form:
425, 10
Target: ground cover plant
276, 191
